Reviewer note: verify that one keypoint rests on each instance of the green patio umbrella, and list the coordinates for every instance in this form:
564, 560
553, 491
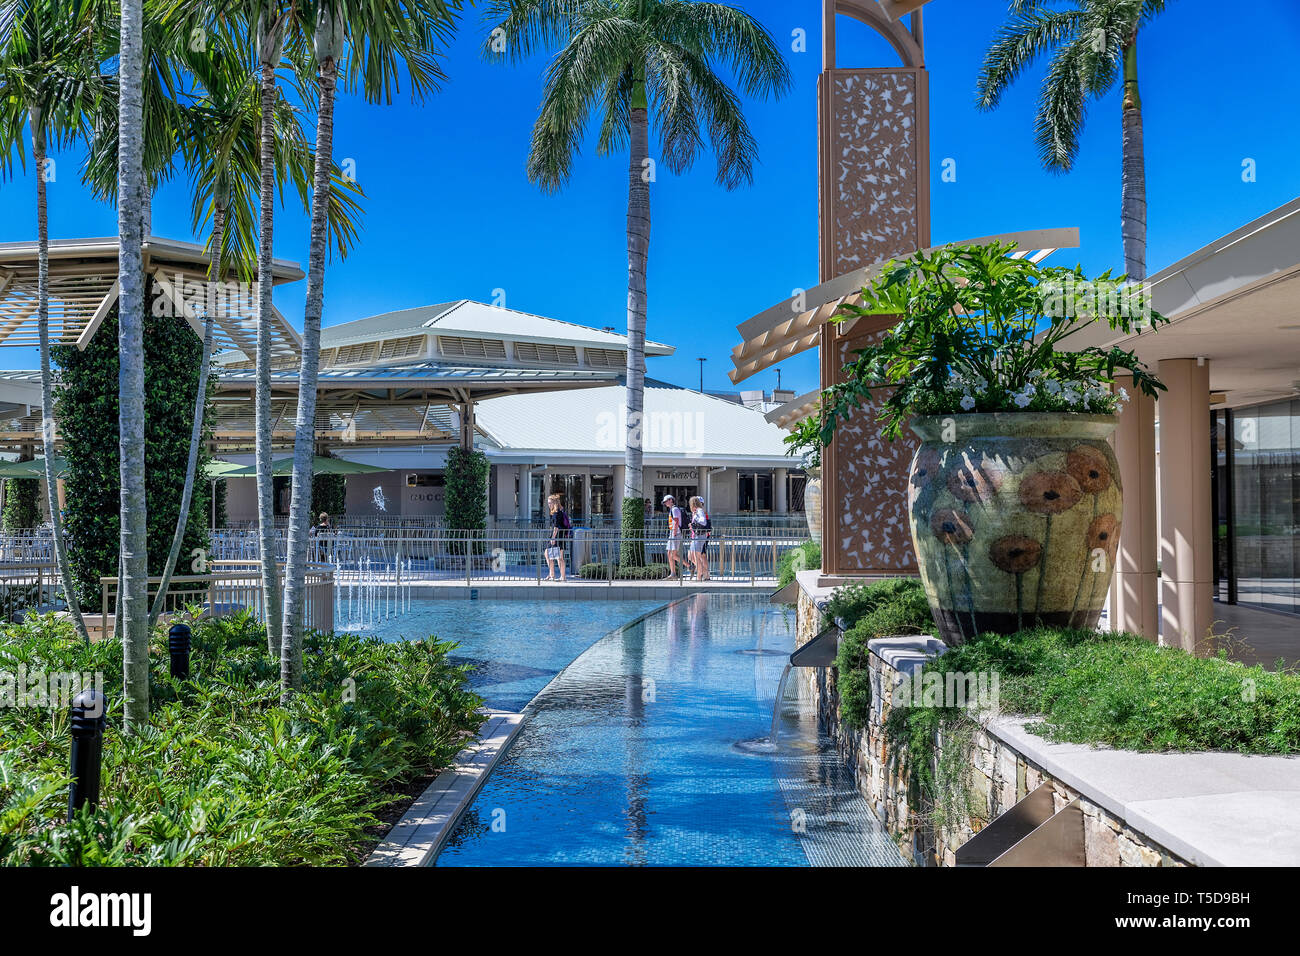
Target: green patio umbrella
320, 465
219, 468
30, 469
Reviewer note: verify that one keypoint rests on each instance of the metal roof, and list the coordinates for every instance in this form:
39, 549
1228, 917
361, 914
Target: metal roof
679, 423
471, 319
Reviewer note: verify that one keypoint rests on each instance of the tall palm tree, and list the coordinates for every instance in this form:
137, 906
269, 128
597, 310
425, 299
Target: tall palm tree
1093, 43
47, 84
368, 43
627, 59
130, 339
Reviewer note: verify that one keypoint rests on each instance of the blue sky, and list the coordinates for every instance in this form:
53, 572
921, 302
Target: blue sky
449, 213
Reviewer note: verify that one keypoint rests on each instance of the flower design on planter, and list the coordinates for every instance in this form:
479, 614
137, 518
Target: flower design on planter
971, 483
1015, 553
925, 468
1049, 492
1088, 466
951, 527
1103, 533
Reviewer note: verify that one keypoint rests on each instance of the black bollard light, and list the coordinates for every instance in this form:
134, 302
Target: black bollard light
87, 749
178, 644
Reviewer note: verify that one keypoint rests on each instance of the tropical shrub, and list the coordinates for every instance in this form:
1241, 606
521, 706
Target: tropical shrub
227, 774
329, 494
807, 554
979, 331
888, 608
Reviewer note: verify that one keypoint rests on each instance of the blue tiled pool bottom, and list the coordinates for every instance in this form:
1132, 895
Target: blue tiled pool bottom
629, 758
516, 647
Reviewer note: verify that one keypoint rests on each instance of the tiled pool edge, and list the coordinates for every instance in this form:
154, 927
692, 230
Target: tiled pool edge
417, 838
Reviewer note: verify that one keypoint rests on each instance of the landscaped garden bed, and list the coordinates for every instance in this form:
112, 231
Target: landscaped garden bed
225, 774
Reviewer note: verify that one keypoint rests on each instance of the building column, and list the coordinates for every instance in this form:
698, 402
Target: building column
522, 504
1135, 589
620, 484
780, 499
1186, 538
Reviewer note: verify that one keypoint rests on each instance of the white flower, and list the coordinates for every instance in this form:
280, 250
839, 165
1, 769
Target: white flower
967, 402
1070, 395
1053, 387
1123, 395
1022, 398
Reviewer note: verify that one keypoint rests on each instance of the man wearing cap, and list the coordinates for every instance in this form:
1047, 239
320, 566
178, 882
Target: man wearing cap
674, 546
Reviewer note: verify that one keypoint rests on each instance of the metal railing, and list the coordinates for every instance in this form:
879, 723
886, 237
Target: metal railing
750, 521
231, 587
26, 586
496, 554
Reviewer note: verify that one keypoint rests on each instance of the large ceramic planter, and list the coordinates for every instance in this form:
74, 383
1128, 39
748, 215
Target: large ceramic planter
812, 505
1015, 519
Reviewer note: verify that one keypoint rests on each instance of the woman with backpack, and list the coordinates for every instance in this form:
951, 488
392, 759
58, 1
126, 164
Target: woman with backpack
560, 528
701, 529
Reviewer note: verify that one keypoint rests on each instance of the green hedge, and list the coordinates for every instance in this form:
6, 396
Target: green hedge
87, 409
878, 609
22, 509
466, 489
599, 571
631, 551
329, 493
227, 776
800, 558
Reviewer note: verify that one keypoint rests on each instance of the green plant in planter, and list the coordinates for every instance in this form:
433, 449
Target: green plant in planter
979, 331
1014, 494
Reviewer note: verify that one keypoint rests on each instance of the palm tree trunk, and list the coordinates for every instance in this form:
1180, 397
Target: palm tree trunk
200, 408
638, 249
304, 442
47, 376
1133, 202
130, 344
262, 398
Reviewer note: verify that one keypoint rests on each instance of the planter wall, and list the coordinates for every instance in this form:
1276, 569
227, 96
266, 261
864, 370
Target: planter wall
1015, 519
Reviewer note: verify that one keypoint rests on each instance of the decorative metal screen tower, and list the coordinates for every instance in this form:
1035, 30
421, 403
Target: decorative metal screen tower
874, 203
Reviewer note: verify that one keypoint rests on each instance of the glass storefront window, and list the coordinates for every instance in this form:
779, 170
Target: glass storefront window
1259, 539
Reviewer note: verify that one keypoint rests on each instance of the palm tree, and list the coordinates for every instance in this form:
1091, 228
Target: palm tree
625, 59
48, 84
1093, 43
374, 41
130, 339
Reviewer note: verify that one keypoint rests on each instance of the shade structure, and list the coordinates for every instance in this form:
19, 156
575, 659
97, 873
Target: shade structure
220, 468
30, 469
320, 465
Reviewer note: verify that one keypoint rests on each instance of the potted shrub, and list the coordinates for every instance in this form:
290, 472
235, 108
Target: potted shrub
1014, 494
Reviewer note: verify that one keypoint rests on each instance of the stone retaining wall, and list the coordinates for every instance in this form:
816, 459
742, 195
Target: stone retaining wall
999, 776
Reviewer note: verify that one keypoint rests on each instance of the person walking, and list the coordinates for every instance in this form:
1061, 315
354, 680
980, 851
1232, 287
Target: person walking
675, 538
561, 526
701, 529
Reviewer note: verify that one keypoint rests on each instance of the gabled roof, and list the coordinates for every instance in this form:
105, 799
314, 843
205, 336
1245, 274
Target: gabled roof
470, 319
679, 423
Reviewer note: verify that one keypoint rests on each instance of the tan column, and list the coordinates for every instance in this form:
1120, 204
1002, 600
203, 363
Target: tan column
780, 503
1186, 541
1135, 590
523, 505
